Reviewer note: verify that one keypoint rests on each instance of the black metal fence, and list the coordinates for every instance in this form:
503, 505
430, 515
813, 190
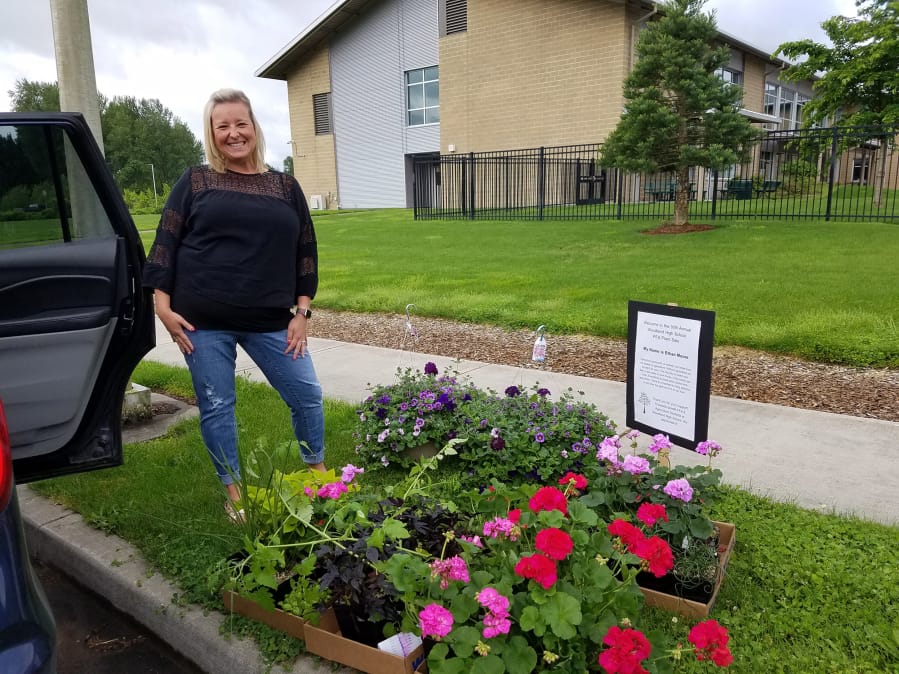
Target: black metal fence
840, 173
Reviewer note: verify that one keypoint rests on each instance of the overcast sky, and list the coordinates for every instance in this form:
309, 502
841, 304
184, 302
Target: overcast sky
179, 51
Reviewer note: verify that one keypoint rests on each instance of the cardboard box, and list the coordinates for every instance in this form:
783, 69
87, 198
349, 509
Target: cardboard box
326, 641
695, 609
277, 619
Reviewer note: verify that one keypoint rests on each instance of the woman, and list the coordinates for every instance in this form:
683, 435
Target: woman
234, 262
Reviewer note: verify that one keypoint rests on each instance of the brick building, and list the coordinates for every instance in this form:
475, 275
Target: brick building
372, 84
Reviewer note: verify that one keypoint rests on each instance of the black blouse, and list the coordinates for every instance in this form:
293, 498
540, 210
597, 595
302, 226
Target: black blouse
234, 250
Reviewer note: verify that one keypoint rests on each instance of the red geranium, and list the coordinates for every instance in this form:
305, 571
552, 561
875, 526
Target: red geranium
710, 642
627, 648
538, 568
650, 513
657, 555
514, 515
579, 481
554, 543
548, 498
628, 533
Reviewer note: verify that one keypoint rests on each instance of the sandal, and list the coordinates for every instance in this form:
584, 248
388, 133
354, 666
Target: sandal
236, 516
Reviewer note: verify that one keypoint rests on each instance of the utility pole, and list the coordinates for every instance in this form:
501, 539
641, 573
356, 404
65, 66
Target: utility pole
78, 93
155, 198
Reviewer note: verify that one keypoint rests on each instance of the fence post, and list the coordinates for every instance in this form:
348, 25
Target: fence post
833, 169
619, 189
540, 187
714, 193
471, 180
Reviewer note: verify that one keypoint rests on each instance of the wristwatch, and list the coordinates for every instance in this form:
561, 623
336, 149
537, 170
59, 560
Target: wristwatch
305, 313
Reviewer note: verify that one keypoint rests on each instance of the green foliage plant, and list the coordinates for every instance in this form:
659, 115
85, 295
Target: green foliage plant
623, 482
678, 112
523, 436
420, 407
856, 73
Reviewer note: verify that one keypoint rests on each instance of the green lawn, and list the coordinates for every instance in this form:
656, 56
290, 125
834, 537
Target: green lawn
824, 291
805, 591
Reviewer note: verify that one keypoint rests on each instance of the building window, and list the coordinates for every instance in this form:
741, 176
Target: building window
771, 95
860, 171
730, 76
422, 97
321, 113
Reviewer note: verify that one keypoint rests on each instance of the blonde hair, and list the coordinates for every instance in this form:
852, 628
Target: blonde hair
213, 157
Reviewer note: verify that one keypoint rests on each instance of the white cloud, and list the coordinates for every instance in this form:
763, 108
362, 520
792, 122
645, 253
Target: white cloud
179, 51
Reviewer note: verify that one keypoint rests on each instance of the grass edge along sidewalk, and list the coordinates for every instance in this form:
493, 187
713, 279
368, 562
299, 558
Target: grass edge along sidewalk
805, 591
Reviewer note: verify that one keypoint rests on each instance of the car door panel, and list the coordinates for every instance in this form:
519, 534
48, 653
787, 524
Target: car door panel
74, 320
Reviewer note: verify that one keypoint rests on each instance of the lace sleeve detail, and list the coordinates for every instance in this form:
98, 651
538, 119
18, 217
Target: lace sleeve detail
159, 271
307, 248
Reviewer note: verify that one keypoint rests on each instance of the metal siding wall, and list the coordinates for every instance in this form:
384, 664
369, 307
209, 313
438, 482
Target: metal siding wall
368, 60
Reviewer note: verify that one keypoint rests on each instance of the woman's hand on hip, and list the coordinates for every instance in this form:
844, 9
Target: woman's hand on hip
178, 327
296, 337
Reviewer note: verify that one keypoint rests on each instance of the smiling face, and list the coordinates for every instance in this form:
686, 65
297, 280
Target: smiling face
235, 136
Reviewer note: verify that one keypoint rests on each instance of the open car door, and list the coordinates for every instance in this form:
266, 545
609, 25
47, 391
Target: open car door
74, 320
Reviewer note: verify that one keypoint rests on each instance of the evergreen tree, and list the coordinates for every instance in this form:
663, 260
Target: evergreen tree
678, 112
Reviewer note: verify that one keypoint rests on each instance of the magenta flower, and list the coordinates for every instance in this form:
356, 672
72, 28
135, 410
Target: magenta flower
635, 465
453, 568
500, 526
435, 621
350, 472
608, 450
332, 490
659, 442
708, 447
679, 489
492, 600
496, 624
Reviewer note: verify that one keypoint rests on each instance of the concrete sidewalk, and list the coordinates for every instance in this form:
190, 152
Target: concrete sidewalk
821, 461
828, 462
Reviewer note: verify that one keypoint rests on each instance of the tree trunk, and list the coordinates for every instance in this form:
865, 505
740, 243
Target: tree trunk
682, 197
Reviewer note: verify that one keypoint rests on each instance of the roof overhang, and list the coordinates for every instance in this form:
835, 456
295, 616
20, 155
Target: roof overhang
759, 116
341, 12
330, 21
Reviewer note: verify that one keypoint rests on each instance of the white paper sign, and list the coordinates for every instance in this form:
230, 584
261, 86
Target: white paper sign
666, 363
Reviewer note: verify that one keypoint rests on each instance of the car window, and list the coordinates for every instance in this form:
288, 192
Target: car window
39, 173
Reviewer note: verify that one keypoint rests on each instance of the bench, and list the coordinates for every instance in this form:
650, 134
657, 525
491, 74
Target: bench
661, 191
666, 191
767, 188
738, 189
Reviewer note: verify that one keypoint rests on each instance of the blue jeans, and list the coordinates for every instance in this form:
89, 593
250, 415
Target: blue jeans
212, 367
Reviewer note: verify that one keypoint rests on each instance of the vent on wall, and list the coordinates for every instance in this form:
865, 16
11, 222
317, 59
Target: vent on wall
321, 113
456, 16
316, 203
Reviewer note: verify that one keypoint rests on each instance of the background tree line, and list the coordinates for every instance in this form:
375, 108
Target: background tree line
137, 133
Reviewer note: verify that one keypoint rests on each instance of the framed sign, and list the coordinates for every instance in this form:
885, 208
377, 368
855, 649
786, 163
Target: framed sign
669, 371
